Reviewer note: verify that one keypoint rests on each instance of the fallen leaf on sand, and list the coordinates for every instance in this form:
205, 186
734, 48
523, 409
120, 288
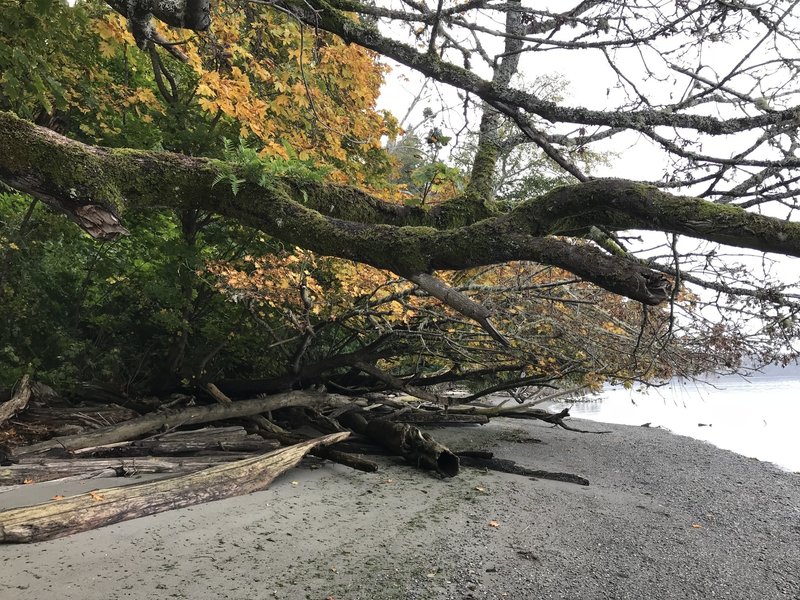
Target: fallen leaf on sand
494, 524
96, 496
696, 526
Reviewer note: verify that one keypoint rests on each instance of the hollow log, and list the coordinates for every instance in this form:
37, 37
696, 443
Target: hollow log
59, 518
187, 416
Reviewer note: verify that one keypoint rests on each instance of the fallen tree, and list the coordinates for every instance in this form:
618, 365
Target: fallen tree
469, 329
579, 225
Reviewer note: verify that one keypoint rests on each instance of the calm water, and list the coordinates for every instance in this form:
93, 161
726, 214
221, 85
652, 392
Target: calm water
758, 417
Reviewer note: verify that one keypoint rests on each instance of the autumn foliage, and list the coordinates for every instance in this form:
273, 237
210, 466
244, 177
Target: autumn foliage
191, 298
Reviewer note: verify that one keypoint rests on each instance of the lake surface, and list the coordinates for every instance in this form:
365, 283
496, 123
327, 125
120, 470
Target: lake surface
757, 417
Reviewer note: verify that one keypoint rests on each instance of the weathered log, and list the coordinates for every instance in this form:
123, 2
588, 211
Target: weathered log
98, 508
78, 477
188, 416
35, 470
416, 446
18, 401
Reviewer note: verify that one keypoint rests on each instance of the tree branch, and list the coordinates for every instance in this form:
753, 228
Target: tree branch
94, 185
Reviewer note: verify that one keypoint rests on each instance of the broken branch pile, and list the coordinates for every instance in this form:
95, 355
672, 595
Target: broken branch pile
218, 450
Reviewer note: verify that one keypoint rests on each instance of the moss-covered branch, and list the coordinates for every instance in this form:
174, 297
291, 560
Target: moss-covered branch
96, 186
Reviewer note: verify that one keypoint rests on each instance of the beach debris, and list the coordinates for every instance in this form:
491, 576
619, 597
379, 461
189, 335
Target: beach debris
107, 434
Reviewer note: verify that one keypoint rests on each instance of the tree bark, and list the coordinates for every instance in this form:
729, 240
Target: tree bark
96, 509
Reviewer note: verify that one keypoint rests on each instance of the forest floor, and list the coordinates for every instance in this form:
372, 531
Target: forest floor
665, 517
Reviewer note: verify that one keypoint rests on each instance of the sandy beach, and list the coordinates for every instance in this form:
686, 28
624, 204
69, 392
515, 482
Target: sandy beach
665, 517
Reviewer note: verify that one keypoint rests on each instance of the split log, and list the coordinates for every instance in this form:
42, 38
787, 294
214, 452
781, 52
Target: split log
416, 446
18, 401
98, 508
188, 416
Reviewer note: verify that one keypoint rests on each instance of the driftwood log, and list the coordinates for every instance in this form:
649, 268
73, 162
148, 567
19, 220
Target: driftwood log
59, 518
188, 416
401, 439
487, 461
36, 470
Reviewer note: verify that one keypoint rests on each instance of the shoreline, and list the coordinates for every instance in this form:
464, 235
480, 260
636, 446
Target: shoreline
751, 417
665, 517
